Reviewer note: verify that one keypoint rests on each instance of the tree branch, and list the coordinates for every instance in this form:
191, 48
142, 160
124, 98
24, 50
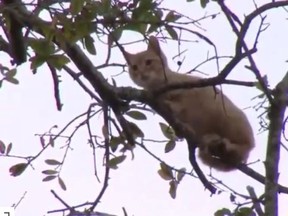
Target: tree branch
258, 177
14, 33
276, 115
114, 96
107, 157
241, 42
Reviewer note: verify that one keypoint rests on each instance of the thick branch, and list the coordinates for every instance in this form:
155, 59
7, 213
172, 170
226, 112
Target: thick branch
213, 81
15, 35
276, 115
258, 177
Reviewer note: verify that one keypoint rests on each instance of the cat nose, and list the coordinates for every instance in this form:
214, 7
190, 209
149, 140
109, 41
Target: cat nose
134, 67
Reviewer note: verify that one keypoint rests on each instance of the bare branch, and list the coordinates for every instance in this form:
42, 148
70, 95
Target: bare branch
107, 157
61, 200
256, 201
75, 76
242, 32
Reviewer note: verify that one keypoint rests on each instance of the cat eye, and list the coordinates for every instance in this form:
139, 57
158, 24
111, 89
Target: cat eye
148, 62
134, 67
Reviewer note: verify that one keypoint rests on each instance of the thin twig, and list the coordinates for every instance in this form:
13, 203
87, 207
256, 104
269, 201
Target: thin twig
61, 200
55, 79
256, 201
107, 157
75, 76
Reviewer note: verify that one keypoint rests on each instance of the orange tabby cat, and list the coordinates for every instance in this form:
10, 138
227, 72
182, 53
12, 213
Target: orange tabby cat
221, 129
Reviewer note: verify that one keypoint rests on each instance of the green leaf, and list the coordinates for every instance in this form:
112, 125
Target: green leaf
99, 8
152, 28
2, 147
9, 76
204, 3
158, 14
62, 184
89, 45
170, 146
167, 131
136, 115
51, 142
12, 80
223, 212
245, 211
163, 175
115, 142
11, 73
52, 162
137, 132
113, 163
232, 197
114, 36
172, 32
181, 174
42, 141
42, 47
165, 172
37, 61
9, 148
17, 169
49, 178
106, 4
146, 6
49, 172
76, 6
172, 17
58, 61
173, 188
135, 2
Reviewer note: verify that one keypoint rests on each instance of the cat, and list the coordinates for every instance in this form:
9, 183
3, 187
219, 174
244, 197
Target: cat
223, 133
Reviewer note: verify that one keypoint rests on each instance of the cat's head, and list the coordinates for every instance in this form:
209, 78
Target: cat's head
147, 69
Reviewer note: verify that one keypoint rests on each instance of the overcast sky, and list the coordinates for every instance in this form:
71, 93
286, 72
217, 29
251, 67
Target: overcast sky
29, 108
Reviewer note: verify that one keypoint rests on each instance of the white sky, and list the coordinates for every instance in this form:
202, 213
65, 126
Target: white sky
29, 109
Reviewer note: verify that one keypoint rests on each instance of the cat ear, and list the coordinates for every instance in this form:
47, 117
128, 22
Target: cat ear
154, 45
128, 56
